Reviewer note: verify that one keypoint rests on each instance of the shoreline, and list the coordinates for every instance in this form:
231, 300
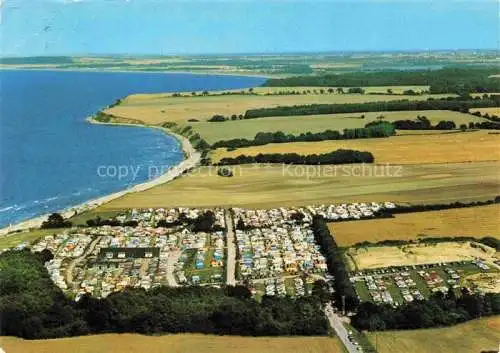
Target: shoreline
108, 70
191, 159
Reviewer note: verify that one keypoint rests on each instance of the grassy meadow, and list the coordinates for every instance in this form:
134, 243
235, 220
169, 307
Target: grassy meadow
213, 132
456, 147
474, 336
181, 343
412, 226
276, 185
159, 108
13, 239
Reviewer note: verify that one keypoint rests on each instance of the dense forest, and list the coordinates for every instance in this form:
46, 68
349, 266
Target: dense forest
462, 104
32, 306
334, 157
446, 80
371, 130
438, 310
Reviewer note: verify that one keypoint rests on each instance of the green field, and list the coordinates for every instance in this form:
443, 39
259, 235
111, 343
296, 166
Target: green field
463, 270
282, 65
213, 132
204, 273
474, 336
162, 107
271, 186
13, 239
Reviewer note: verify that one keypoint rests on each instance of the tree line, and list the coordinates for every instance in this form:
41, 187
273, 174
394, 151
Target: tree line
33, 307
422, 123
203, 223
488, 241
335, 157
462, 104
344, 290
446, 80
487, 116
439, 206
371, 130
438, 310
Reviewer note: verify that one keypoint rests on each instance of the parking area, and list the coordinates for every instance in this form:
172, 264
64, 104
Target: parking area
397, 286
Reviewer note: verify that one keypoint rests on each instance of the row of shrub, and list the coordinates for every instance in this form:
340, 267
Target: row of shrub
437, 310
455, 104
422, 123
335, 157
32, 306
440, 206
489, 241
344, 294
487, 116
446, 80
196, 140
487, 125
373, 129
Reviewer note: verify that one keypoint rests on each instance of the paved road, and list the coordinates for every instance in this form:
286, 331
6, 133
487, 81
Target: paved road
71, 266
231, 250
173, 257
340, 330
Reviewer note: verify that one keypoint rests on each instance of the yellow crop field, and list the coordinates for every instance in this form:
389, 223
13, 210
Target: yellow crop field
213, 132
181, 343
481, 335
277, 185
457, 147
484, 282
412, 226
159, 108
371, 257
490, 111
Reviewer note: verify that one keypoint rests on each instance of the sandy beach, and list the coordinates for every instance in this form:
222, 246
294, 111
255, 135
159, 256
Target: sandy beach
191, 159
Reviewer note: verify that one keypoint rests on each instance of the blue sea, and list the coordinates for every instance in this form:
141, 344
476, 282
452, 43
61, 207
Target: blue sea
51, 158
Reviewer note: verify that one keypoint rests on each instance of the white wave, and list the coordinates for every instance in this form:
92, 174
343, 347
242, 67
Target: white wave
5, 209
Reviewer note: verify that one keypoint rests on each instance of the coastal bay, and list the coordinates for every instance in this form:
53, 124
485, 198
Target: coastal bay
51, 155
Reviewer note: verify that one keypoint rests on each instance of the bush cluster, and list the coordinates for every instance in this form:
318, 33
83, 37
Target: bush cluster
31, 306
371, 130
335, 157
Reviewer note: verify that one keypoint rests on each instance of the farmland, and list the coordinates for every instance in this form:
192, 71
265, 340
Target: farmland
486, 282
213, 132
490, 111
28, 236
453, 222
270, 186
454, 147
368, 90
181, 343
418, 254
159, 108
475, 336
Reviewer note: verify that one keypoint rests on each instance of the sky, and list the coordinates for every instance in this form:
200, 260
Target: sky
170, 27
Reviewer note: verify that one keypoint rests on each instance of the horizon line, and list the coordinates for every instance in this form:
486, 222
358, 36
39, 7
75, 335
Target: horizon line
270, 53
